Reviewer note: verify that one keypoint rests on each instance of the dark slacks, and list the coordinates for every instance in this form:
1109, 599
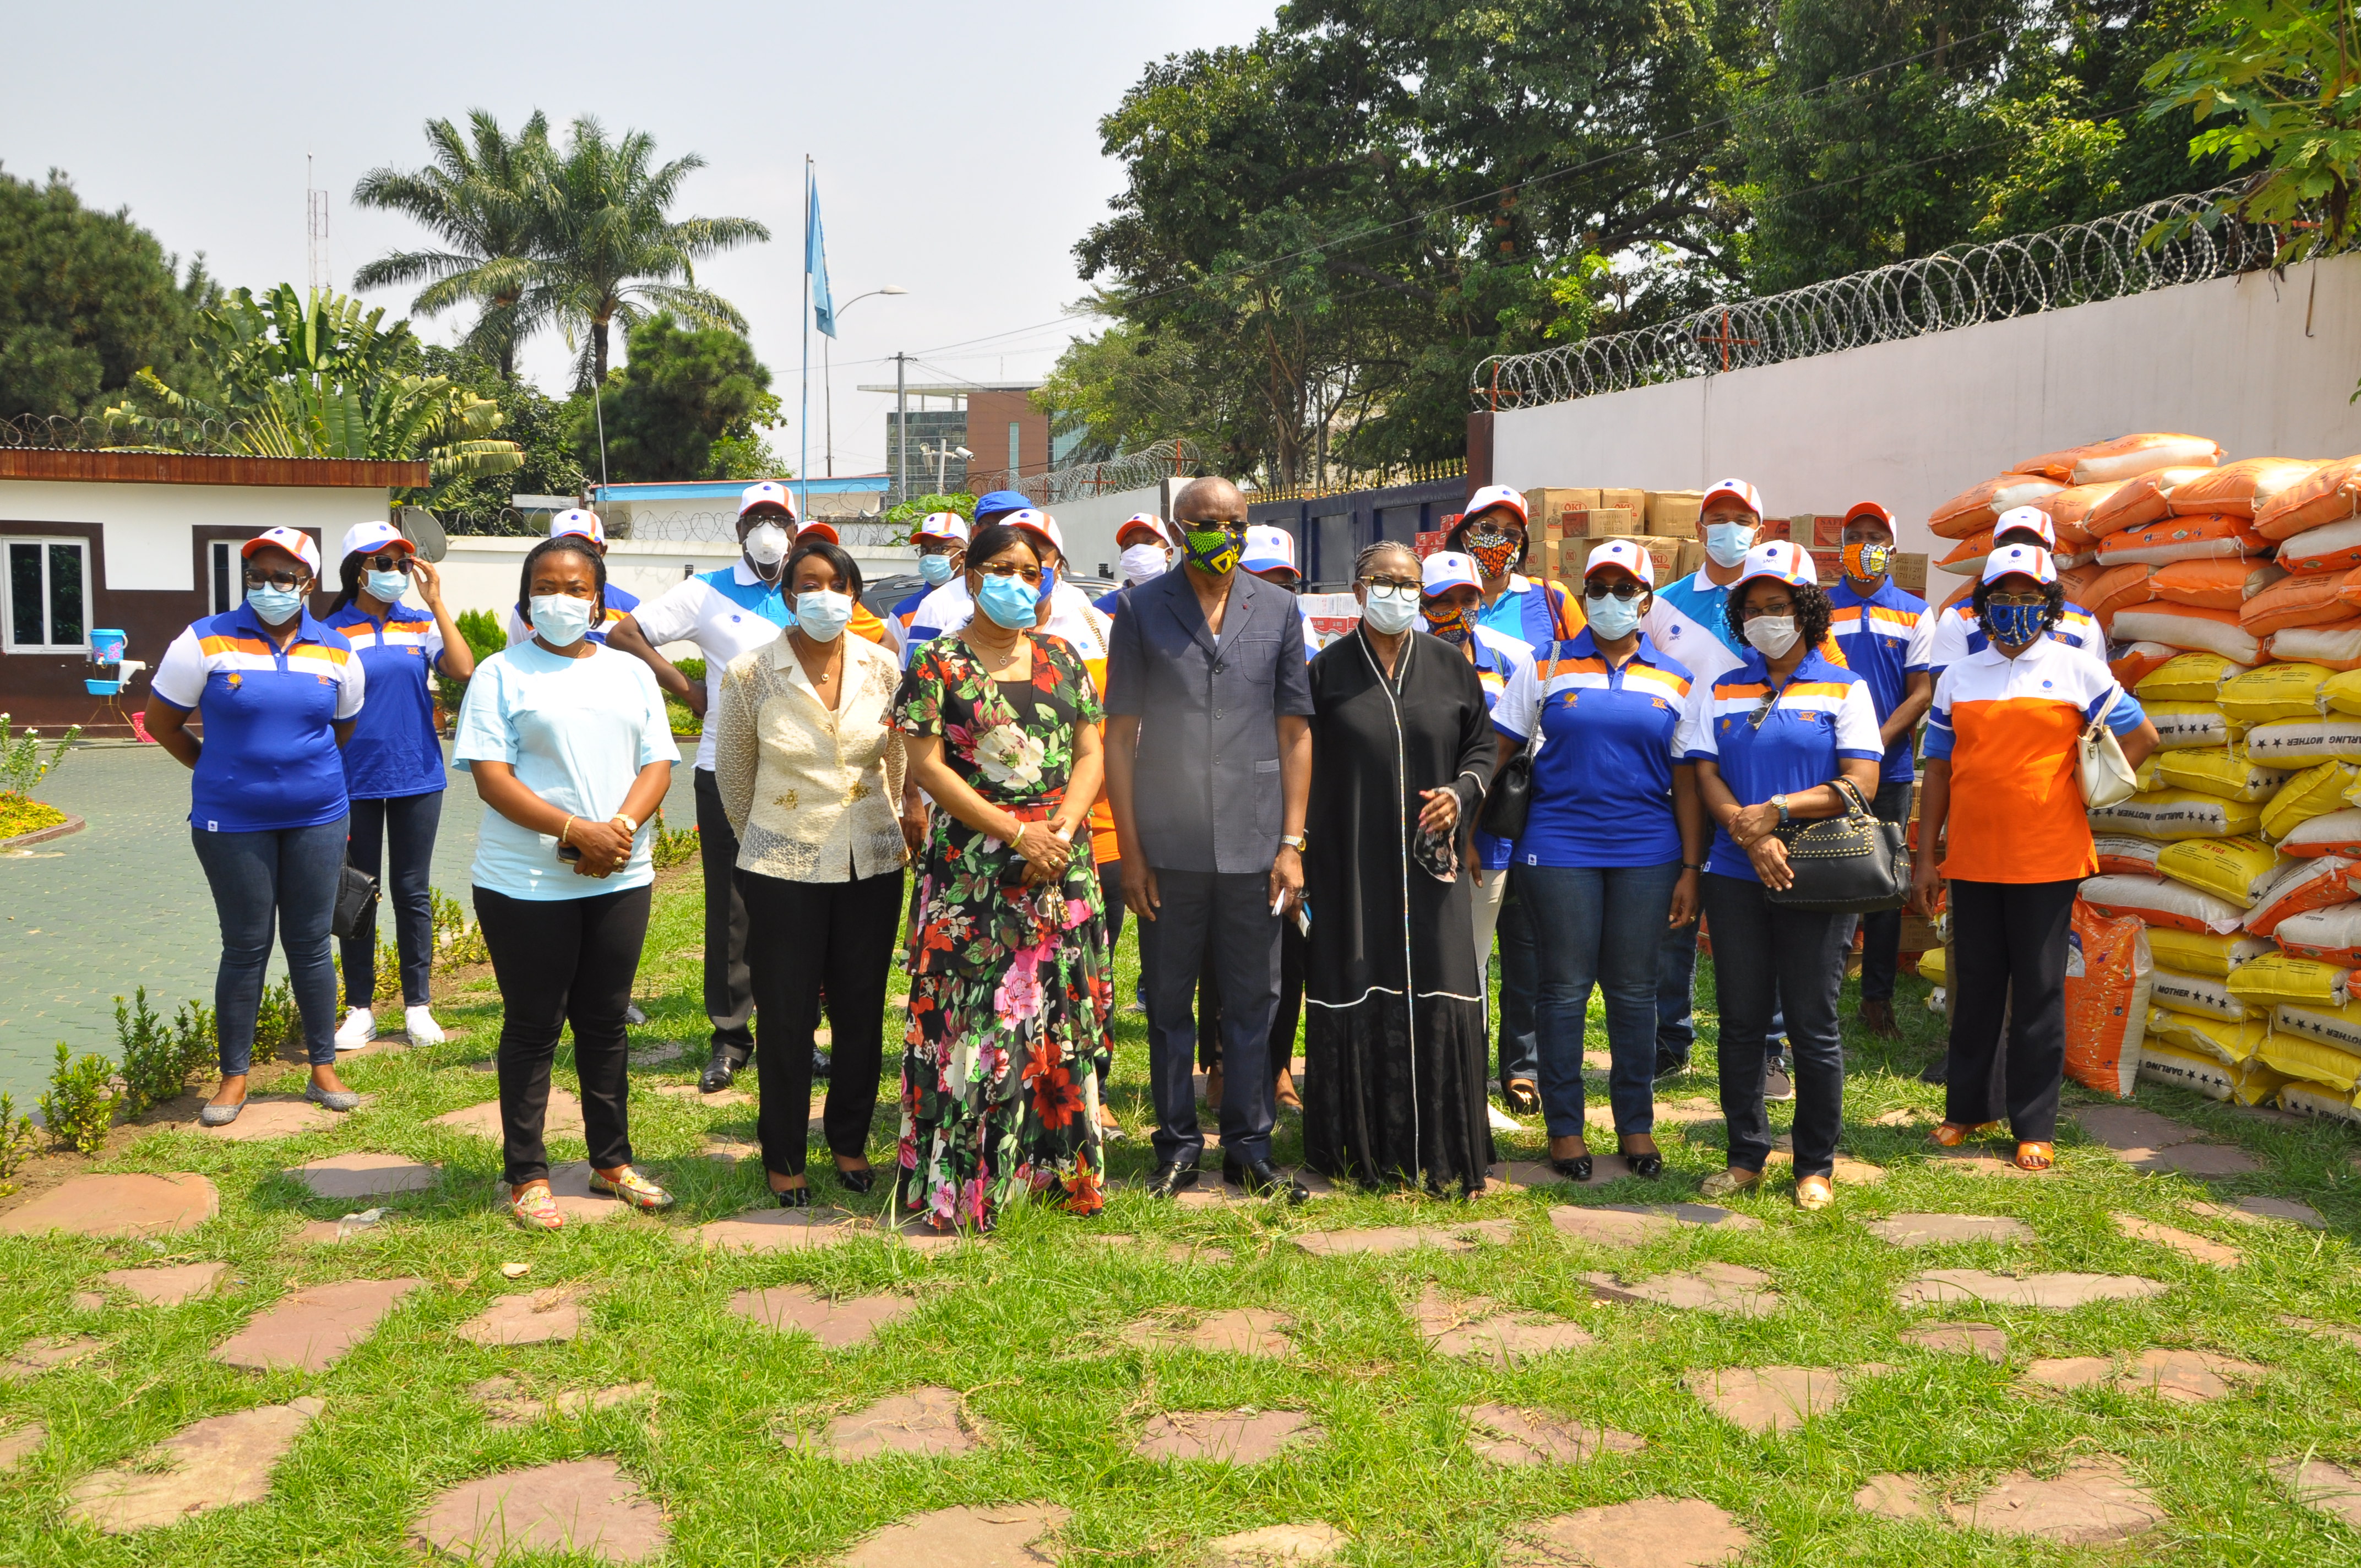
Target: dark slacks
1762, 957
1111, 900
1519, 1049
1881, 933
2009, 944
1230, 914
802, 937
1285, 1019
287, 877
397, 835
560, 961
728, 986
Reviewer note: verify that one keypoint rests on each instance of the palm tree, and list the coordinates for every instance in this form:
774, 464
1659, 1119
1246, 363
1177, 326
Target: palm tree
484, 196
608, 252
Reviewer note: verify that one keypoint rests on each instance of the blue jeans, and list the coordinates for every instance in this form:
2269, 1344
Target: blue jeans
400, 830
1603, 924
1519, 1047
1676, 984
1763, 955
287, 875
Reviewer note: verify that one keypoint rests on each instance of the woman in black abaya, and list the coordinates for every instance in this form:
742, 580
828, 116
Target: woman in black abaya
1403, 751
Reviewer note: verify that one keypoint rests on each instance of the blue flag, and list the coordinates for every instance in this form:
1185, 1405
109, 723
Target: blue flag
816, 264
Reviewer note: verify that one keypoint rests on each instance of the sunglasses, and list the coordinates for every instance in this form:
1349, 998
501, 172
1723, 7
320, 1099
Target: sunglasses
391, 560
1625, 590
255, 579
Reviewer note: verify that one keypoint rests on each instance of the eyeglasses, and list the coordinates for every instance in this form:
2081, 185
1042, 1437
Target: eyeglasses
1781, 608
255, 579
1030, 574
391, 560
2016, 601
1626, 590
1395, 583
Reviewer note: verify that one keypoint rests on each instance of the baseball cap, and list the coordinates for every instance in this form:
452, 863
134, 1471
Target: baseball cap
942, 525
1448, 569
1146, 522
1624, 554
1738, 490
1269, 548
368, 538
2021, 560
2032, 519
576, 520
1497, 496
1869, 508
989, 507
769, 493
295, 542
1782, 560
818, 530
1033, 521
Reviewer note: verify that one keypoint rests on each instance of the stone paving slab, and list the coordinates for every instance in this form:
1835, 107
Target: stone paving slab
1939, 1230
1480, 1328
2261, 1208
508, 1403
2345, 1331
1967, 1160
926, 1421
363, 1174
312, 1330
837, 1324
1653, 1532
1725, 1287
1502, 1434
541, 1317
217, 1462
1278, 1546
2066, 1372
1628, 1224
19, 1442
1531, 1175
1962, 1339
1238, 1330
1227, 1436
1386, 1240
1894, 1497
269, 1116
2194, 1159
2128, 1127
2060, 1291
483, 1121
2090, 1503
1773, 1400
781, 1230
2188, 1376
166, 1287
35, 1356
691, 1091
1003, 1535
2195, 1247
585, 1505
2318, 1484
1212, 1193
130, 1204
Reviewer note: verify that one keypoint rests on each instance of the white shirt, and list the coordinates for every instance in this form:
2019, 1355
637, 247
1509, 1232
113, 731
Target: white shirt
814, 795
725, 612
1944, 633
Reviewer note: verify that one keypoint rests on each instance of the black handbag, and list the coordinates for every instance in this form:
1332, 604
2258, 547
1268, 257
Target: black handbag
1510, 797
1853, 864
357, 895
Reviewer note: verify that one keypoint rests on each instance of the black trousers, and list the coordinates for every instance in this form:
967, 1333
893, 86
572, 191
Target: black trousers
1881, 933
1765, 957
560, 961
2008, 952
401, 829
1293, 945
1231, 915
802, 937
729, 987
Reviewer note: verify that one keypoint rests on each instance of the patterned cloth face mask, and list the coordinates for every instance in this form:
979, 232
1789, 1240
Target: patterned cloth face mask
1214, 550
1865, 562
1449, 622
2013, 625
1493, 549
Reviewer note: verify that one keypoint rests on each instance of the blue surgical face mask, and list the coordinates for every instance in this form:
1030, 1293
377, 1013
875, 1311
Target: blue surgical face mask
559, 620
1611, 617
1725, 544
1010, 602
936, 569
823, 615
2013, 625
1048, 583
388, 586
277, 607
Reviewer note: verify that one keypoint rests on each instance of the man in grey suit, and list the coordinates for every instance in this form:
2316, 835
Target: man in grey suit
1208, 794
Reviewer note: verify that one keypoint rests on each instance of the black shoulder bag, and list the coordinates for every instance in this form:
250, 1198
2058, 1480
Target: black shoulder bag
1511, 794
1852, 864
356, 911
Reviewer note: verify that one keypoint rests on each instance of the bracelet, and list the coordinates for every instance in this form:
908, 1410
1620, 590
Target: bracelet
562, 832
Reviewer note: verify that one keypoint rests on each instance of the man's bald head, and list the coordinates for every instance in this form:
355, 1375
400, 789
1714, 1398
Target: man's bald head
1210, 500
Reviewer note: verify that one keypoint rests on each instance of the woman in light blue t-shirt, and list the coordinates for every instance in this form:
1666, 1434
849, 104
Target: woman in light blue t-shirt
570, 749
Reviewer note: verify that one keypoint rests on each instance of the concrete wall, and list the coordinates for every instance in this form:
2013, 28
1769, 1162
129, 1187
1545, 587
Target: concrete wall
2264, 365
1088, 524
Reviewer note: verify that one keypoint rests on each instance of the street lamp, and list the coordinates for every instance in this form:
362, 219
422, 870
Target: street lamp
827, 383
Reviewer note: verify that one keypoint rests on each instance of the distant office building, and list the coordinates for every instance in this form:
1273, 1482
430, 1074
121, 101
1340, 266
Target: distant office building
997, 421
929, 428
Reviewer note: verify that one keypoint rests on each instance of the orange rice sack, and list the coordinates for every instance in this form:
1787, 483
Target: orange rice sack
2328, 494
1956, 595
2109, 975
2123, 855
2069, 511
2125, 457
2296, 601
1968, 555
2242, 487
2115, 587
2138, 660
2177, 538
2316, 884
2078, 580
1977, 508
2336, 644
2335, 547
2331, 833
2138, 502
2348, 590
2186, 626
2214, 585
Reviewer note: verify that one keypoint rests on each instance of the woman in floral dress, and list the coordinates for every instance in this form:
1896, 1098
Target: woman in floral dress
1009, 985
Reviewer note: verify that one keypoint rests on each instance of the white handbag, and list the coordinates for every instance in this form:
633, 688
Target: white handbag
2100, 766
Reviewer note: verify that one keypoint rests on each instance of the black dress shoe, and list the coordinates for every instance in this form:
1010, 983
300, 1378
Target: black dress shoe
859, 1180
1937, 1071
821, 1063
1671, 1066
793, 1197
720, 1072
1646, 1166
1171, 1179
1265, 1180
1579, 1168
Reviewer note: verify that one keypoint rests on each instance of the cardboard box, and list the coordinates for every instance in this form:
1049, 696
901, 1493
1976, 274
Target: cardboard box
1633, 501
1600, 523
1663, 553
1691, 559
1826, 529
1674, 513
1919, 935
1908, 570
1775, 528
1544, 506
1428, 541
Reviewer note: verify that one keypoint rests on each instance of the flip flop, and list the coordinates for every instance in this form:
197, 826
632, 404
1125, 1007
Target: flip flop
1951, 1134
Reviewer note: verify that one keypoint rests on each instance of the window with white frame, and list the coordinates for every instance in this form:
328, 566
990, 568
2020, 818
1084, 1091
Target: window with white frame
44, 595
228, 582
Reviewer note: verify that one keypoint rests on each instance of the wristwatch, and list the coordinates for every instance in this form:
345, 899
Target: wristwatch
625, 819
1295, 841
1781, 802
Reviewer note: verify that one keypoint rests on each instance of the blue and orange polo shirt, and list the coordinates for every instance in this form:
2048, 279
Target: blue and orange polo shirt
1603, 777
394, 751
269, 759
1766, 742
1877, 631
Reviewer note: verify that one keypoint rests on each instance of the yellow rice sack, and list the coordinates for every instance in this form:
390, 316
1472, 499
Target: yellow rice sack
2254, 1081
1931, 967
2189, 677
2315, 1099
2308, 1059
2341, 693
2276, 979
2234, 869
2231, 1043
2315, 792
2163, 1062
2273, 691
2203, 952
2205, 993
2180, 726
2337, 1026
2225, 772
2177, 814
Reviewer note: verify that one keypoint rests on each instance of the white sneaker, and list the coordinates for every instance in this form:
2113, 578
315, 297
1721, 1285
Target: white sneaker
423, 1029
360, 1029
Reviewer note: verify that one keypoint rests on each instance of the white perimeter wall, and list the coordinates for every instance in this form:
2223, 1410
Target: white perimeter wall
1088, 525
1913, 424
146, 527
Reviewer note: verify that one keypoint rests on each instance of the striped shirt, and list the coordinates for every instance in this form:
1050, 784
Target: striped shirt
394, 751
1804, 730
1603, 777
1877, 631
270, 758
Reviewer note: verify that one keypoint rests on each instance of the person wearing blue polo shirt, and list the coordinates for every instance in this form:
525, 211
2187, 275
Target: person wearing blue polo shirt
950, 608
277, 694
394, 764
1876, 624
1611, 847
621, 601
941, 538
1772, 739
1948, 635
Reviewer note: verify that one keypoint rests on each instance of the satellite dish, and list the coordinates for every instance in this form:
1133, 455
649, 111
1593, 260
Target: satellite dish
425, 534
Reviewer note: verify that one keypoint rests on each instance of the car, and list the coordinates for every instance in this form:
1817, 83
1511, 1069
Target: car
880, 598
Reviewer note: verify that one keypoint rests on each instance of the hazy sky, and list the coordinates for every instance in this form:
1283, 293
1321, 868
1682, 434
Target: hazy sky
956, 146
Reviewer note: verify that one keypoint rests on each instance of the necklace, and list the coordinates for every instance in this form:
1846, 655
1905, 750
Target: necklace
994, 658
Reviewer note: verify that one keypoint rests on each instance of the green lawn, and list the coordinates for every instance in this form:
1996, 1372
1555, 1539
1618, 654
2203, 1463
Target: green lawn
1027, 1326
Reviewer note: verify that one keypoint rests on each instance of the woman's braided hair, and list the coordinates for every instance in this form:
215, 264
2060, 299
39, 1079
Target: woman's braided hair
1369, 552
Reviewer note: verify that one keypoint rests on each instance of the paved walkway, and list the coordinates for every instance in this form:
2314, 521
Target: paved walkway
122, 903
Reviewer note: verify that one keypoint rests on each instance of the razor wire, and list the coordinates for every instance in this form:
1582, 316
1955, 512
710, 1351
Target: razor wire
68, 433
1151, 464
2075, 264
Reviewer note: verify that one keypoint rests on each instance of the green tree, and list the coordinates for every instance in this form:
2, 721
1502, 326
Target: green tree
543, 428
484, 196
688, 404
86, 300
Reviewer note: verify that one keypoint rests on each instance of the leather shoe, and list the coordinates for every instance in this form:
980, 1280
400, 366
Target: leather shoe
720, 1072
1171, 1179
1264, 1179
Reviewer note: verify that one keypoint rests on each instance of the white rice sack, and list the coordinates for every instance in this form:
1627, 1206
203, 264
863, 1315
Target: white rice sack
2194, 632
2331, 934
2182, 726
2182, 1069
2177, 813
2326, 1026
2338, 644
2293, 743
2154, 901
2121, 852
2196, 994
2316, 1100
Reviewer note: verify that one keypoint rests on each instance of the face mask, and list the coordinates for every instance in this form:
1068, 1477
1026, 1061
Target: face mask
387, 586
1865, 563
936, 569
1049, 584
1772, 635
1142, 562
1214, 550
1391, 610
1725, 544
823, 615
1493, 552
277, 607
766, 544
1010, 602
560, 619
1448, 621
1611, 617
2013, 625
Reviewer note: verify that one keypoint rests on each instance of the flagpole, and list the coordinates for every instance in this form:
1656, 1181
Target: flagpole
803, 466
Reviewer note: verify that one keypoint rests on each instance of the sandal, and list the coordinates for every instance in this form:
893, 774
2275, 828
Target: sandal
534, 1207
1724, 1183
1522, 1096
1814, 1192
2036, 1156
632, 1189
1951, 1134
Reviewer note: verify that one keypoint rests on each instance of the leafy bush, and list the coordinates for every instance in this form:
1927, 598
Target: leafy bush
388, 973
486, 636
80, 1106
277, 1022
16, 1140
667, 848
154, 1068
457, 943
693, 668
195, 1044
21, 767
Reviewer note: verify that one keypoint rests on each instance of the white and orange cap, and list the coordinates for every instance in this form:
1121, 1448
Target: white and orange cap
818, 530
769, 493
2026, 519
1448, 569
1497, 496
1736, 489
1146, 522
946, 525
1267, 549
1624, 554
2022, 561
368, 538
576, 520
1869, 508
1782, 560
295, 542
1037, 523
